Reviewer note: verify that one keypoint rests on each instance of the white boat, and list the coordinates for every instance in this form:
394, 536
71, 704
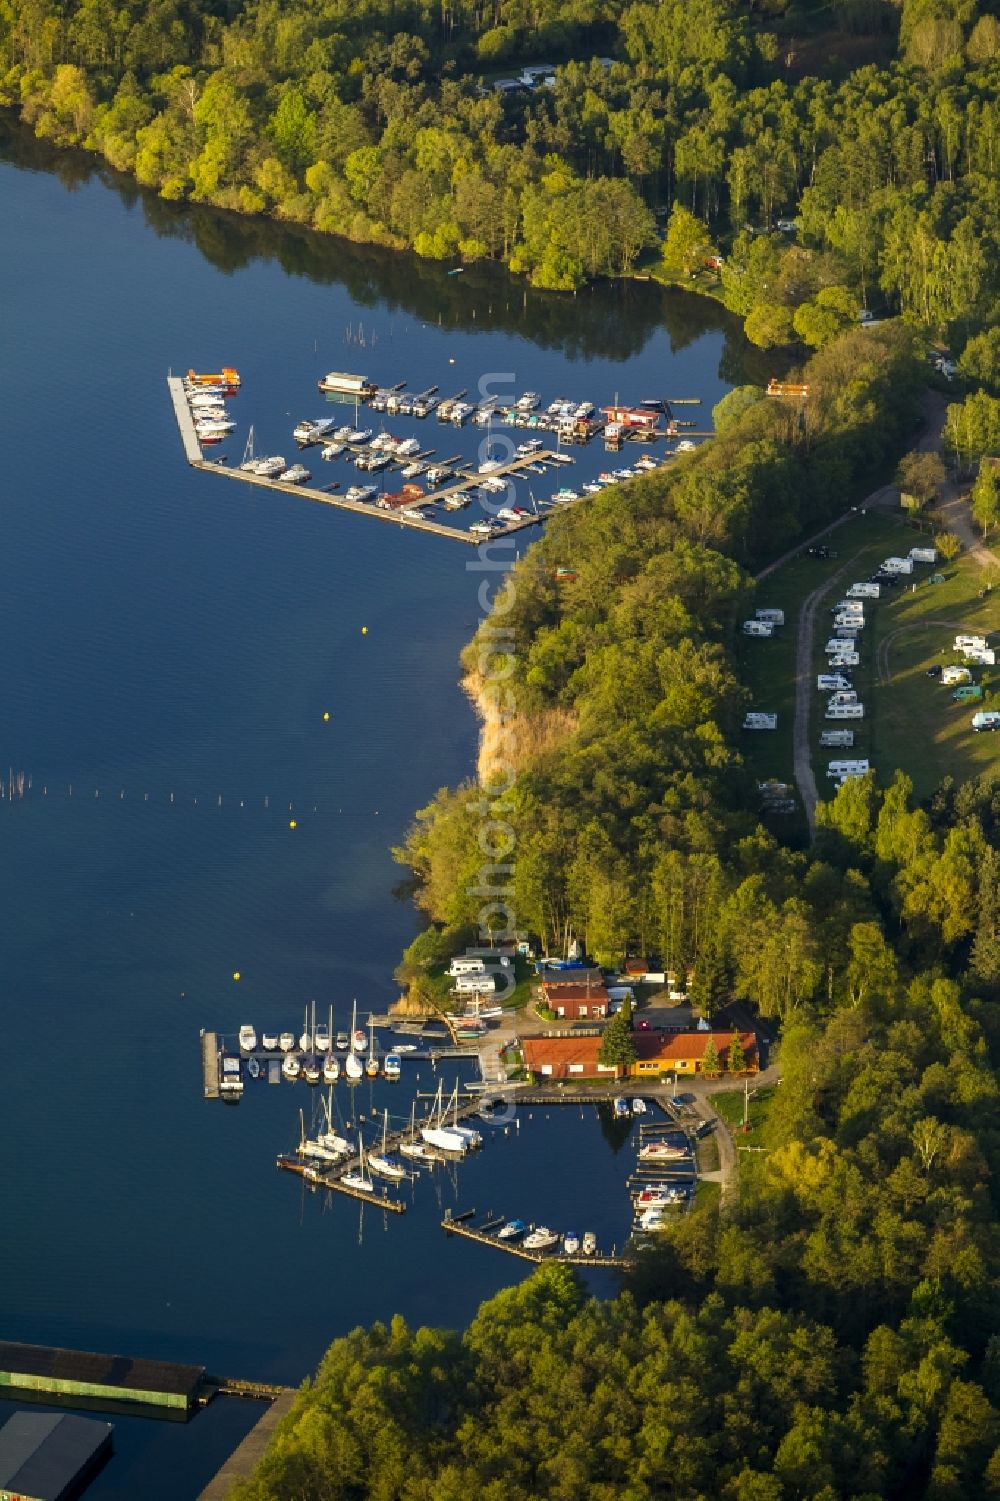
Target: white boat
341, 1042
638, 1107
651, 1219
353, 1067
312, 1069
621, 1106
290, 1066
331, 451
331, 1068
359, 1041
286, 1041
662, 1150
358, 1178
413, 1147
381, 1162
270, 468
437, 1134
359, 435
392, 1066
655, 1196
541, 1239
306, 1035
330, 1138
513, 1230
407, 447
269, 1042
248, 1038
298, 474
571, 1243
253, 1066
231, 1078
321, 1038
589, 1243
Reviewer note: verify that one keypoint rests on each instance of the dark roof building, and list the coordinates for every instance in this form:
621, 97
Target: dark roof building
50, 1456
84, 1373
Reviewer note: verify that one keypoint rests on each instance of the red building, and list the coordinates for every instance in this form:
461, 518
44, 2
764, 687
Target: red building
576, 995
565, 1057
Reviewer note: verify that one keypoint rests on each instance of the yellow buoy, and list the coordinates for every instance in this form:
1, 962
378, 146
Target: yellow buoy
236, 974
326, 715
364, 630
292, 824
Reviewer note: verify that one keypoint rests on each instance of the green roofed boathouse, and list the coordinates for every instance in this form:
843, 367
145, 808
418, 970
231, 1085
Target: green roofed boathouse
107, 1378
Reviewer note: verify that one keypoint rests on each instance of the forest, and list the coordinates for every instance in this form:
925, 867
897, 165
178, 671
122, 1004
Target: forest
834, 1331
671, 133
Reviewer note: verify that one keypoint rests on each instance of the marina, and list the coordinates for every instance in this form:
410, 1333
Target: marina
488, 1234
451, 483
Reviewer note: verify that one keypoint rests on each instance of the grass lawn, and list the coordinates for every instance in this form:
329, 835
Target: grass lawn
910, 722
707, 1154
730, 1106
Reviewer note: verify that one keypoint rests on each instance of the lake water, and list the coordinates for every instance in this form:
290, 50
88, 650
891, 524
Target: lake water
170, 645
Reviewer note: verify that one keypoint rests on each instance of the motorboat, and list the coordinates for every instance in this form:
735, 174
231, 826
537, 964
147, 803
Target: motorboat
361, 493
286, 1041
343, 433
571, 1243
298, 474
332, 450
253, 1066
248, 1038
341, 1042
359, 1041
513, 1230
359, 435
662, 1150
231, 1078
305, 431
404, 1047
655, 1196
407, 447
528, 402
331, 1068
651, 1219
589, 1243
638, 1107
269, 1042
621, 1106
290, 1066
321, 1038
270, 468
391, 1066
541, 1239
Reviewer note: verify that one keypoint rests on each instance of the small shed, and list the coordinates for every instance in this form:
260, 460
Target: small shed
50, 1456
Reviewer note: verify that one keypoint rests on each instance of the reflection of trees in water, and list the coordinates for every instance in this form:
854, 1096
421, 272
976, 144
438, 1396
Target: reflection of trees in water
614, 1128
612, 321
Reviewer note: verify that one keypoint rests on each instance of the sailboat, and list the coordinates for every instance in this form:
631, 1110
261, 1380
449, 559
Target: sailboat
379, 1162
437, 1134
306, 1037
357, 1178
371, 1065
413, 1147
330, 1138
352, 1063
358, 1039
307, 1148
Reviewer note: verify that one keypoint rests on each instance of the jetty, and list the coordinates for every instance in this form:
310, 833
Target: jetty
486, 1235
210, 1064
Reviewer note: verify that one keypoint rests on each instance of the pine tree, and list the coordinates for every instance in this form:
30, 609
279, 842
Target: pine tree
710, 1059
737, 1060
617, 1048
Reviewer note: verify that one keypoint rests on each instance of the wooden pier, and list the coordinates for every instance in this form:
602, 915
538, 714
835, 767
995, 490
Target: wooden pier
210, 1063
486, 1236
327, 1175
185, 422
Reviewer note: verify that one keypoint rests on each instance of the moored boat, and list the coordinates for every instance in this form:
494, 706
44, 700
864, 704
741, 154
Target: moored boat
290, 1066
269, 1042
571, 1243
589, 1243
331, 1068
392, 1066
663, 1150
286, 1041
513, 1230
541, 1239
248, 1038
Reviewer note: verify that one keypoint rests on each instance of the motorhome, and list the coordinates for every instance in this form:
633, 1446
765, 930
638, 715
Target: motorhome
923, 554
833, 739
951, 675
847, 768
842, 696
845, 711
864, 591
844, 659
465, 964
758, 628
986, 719
898, 565
850, 620
776, 617
982, 656
755, 721
826, 681
839, 644
970, 643
848, 607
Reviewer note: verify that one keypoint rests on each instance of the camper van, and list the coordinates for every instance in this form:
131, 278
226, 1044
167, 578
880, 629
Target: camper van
970, 643
776, 617
847, 768
986, 719
968, 693
981, 656
844, 659
464, 964
839, 644
898, 565
848, 607
864, 591
842, 696
836, 739
845, 711
474, 985
827, 681
754, 721
758, 628
849, 620
951, 675
923, 554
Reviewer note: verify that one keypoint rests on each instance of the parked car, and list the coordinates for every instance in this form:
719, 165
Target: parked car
935, 671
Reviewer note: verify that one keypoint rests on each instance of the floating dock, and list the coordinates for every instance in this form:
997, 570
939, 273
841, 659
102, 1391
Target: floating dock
487, 1236
210, 1064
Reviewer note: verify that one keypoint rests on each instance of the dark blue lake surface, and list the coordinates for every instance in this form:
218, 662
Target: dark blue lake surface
170, 640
